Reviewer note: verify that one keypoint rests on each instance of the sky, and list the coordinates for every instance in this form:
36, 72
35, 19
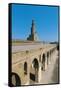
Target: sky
45, 19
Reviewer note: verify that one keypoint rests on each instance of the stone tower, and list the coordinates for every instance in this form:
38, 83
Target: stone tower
32, 30
32, 36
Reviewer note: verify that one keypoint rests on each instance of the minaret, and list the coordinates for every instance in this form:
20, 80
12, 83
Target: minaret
32, 30
33, 35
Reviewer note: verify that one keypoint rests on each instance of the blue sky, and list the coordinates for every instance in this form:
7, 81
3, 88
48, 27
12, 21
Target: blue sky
46, 22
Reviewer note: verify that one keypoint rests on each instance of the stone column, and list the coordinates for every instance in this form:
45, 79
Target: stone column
36, 75
28, 75
39, 73
41, 62
49, 59
51, 56
45, 61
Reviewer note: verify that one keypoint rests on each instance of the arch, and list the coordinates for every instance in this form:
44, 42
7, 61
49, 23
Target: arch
35, 64
34, 70
25, 68
43, 62
15, 79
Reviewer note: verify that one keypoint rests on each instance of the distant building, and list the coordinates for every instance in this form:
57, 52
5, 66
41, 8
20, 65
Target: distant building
33, 36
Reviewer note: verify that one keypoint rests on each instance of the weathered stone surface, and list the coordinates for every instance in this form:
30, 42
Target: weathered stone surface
28, 56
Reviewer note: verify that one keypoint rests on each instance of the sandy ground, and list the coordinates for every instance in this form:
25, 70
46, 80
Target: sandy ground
51, 75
